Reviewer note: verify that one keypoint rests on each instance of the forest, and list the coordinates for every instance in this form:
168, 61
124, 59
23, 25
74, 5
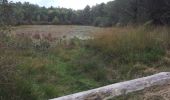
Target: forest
113, 13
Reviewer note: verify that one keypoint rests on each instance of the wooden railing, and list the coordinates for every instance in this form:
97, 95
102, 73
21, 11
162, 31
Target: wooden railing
122, 88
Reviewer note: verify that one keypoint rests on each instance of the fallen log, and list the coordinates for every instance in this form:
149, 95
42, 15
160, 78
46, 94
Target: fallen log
122, 88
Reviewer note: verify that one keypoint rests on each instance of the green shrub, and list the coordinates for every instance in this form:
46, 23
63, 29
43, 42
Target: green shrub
43, 45
102, 22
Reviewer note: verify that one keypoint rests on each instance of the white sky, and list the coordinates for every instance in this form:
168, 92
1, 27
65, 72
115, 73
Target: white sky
74, 4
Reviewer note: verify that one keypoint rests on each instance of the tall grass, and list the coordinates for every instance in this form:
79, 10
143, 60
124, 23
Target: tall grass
130, 41
40, 68
130, 51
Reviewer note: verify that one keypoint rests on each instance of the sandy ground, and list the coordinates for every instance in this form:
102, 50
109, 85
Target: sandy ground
157, 93
152, 93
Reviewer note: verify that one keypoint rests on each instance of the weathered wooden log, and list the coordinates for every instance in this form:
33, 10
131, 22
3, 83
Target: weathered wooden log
122, 88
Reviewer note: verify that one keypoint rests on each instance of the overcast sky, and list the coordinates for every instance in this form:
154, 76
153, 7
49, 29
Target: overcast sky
74, 4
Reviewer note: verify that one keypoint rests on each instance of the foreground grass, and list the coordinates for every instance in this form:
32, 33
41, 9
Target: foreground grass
39, 70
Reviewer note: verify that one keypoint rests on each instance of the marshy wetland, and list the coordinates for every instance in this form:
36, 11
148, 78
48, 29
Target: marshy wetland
44, 68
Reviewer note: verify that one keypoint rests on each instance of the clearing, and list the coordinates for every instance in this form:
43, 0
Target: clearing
42, 70
59, 31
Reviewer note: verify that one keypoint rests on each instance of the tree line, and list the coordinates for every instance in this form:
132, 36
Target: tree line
117, 12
